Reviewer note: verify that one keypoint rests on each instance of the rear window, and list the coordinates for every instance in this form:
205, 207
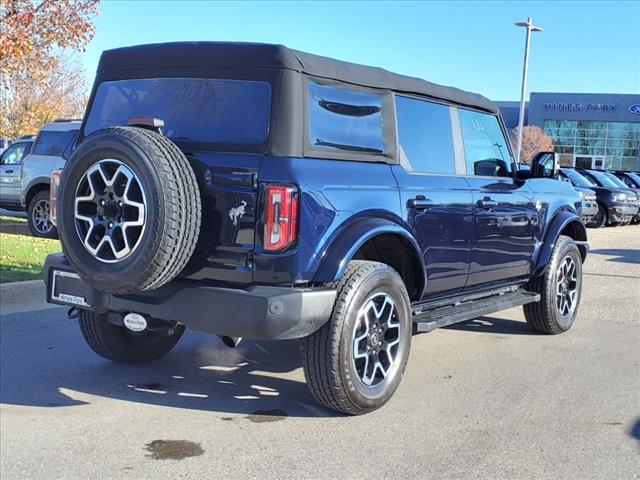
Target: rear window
53, 142
193, 109
343, 119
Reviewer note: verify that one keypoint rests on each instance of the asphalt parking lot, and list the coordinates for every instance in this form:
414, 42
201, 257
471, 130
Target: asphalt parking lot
484, 399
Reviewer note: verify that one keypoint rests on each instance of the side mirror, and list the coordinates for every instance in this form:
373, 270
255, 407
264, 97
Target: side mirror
545, 165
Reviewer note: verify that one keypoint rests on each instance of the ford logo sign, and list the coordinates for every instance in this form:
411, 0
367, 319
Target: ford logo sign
635, 108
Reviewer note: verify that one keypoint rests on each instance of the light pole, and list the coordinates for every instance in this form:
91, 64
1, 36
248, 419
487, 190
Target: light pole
530, 28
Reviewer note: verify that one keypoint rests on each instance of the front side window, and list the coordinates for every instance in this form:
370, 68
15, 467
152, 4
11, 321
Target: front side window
424, 135
343, 119
193, 109
485, 147
51, 142
13, 154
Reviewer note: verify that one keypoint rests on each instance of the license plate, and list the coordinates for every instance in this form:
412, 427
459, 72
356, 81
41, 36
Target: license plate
66, 287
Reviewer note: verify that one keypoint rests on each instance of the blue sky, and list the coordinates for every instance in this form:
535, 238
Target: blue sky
586, 46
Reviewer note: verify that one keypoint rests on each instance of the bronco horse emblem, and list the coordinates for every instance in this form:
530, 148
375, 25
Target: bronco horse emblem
237, 213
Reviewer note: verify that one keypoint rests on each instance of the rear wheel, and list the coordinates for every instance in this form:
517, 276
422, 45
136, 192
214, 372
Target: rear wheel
599, 219
121, 345
560, 289
39, 216
355, 362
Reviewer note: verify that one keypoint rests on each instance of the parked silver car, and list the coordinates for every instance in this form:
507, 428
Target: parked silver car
25, 181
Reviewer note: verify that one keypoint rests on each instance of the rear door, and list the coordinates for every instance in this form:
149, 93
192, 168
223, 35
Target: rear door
438, 203
505, 213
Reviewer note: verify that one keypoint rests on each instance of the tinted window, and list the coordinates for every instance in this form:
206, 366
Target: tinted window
601, 179
635, 177
424, 135
195, 109
577, 179
615, 179
342, 119
52, 142
485, 147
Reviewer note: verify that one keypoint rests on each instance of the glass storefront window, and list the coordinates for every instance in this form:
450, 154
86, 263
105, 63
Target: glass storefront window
629, 163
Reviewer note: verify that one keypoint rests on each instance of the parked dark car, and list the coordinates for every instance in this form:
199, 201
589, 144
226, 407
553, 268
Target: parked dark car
632, 181
257, 191
618, 204
587, 194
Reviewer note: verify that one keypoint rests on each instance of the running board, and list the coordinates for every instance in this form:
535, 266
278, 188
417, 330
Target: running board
427, 320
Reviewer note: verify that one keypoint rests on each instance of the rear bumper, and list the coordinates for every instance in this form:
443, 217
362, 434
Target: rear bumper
258, 312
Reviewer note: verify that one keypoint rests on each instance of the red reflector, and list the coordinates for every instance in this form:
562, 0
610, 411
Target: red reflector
281, 217
53, 196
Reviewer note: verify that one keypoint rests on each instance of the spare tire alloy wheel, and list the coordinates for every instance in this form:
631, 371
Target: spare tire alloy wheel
110, 210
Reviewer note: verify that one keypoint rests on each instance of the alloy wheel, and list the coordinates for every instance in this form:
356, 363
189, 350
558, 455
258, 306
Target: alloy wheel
566, 286
110, 210
376, 339
41, 218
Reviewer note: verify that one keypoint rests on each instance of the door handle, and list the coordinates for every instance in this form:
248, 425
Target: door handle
487, 203
8, 171
420, 203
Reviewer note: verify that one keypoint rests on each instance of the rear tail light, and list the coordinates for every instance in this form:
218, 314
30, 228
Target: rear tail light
281, 217
53, 196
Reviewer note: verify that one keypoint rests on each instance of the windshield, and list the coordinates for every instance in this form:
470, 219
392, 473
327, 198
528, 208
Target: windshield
635, 177
577, 179
615, 180
603, 180
193, 109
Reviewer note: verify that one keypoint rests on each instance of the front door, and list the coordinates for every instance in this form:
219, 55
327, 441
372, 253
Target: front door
10, 173
505, 214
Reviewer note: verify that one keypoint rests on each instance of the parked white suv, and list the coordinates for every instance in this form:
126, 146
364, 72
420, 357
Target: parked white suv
25, 185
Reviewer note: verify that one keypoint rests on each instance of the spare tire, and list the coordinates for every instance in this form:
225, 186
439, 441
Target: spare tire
128, 210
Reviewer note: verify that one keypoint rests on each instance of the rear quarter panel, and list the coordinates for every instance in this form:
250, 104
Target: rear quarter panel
36, 169
334, 196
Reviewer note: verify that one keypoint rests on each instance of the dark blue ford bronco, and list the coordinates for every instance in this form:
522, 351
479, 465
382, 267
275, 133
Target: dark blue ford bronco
261, 192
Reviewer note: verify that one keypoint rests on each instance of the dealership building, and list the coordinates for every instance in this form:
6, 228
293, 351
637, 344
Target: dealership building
588, 129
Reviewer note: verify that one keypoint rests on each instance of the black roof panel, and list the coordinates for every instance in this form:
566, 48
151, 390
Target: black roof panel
257, 55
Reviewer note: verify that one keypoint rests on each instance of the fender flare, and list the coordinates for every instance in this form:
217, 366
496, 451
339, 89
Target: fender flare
36, 182
339, 252
560, 221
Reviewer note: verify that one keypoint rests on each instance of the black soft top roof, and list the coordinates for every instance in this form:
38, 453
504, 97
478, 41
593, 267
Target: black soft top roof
265, 56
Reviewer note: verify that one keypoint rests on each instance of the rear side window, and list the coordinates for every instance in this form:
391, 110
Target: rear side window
424, 135
485, 146
193, 109
343, 119
53, 142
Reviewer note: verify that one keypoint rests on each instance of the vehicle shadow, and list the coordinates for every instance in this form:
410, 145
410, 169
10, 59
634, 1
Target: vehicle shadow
51, 366
621, 255
493, 325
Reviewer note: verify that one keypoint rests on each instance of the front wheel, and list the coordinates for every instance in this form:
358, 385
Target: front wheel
599, 219
39, 216
120, 345
355, 362
560, 288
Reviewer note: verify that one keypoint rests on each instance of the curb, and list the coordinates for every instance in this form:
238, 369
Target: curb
17, 297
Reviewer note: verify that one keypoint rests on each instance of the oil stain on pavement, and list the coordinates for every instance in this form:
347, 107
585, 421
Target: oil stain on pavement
263, 416
173, 449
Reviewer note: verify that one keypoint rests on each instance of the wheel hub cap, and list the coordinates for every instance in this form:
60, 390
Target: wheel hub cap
376, 339
110, 210
567, 286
